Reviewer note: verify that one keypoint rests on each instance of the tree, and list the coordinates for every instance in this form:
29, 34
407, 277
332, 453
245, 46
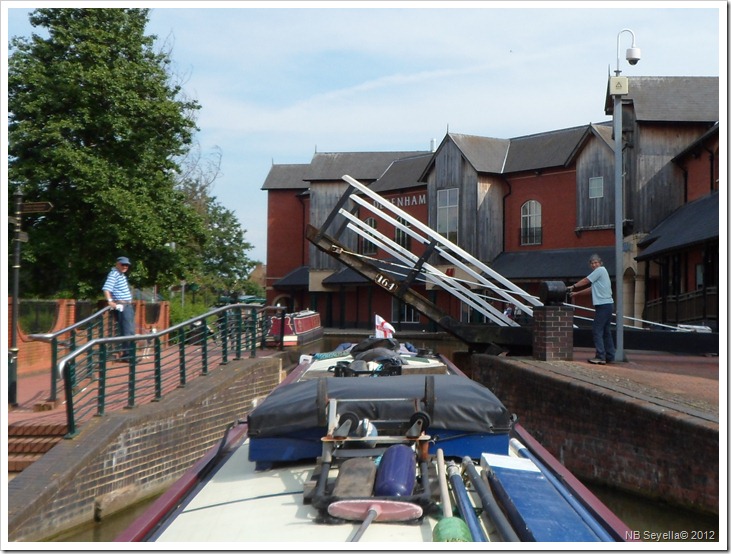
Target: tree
223, 262
96, 126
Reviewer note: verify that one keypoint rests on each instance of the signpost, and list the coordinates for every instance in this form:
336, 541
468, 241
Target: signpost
19, 236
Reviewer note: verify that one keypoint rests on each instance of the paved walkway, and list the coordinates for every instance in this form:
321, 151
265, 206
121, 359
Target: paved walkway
683, 382
691, 381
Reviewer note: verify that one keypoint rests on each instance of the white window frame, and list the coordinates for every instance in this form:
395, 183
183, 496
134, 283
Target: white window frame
448, 214
596, 187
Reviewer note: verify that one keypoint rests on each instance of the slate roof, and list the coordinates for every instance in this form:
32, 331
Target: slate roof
689, 225
672, 99
552, 149
530, 152
363, 166
563, 264
286, 176
297, 278
486, 154
403, 174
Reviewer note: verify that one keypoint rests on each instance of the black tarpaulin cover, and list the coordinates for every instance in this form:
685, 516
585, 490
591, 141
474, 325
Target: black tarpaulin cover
459, 404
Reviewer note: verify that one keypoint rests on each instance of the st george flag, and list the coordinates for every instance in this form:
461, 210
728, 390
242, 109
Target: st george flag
384, 329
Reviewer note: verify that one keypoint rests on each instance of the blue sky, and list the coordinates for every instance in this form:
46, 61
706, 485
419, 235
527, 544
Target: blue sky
278, 81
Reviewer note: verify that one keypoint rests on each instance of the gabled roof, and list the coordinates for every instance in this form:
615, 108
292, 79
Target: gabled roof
363, 166
691, 224
286, 176
551, 149
530, 152
486, 154
697, 144
403, 174
561, 264
672, 99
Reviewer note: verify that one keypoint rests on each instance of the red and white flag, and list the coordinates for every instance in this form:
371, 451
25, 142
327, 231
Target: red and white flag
384, 329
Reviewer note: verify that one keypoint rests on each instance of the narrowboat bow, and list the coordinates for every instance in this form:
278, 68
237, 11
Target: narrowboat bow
377, 442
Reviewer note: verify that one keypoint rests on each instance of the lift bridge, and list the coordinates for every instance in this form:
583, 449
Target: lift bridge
500, 333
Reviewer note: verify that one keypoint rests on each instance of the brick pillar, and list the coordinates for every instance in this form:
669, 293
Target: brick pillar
553, 333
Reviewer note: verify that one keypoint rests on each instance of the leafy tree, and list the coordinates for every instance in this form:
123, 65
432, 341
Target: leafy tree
96, 127
223, 262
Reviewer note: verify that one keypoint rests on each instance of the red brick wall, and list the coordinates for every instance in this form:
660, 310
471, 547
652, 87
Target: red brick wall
137, 453
287, 247
607, 437
553, 333
702, 171
556, 192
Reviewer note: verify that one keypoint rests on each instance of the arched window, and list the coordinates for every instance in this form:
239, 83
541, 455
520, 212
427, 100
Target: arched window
367, 247
531, 231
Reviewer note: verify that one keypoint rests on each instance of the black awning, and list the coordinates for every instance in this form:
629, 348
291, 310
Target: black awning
691, 224
295, 279
391, 267
546, 265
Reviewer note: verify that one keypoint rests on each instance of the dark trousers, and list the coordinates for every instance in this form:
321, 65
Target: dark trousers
602, 332
126, 327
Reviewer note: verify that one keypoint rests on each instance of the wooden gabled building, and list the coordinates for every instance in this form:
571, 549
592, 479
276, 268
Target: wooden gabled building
534, 208
680, 256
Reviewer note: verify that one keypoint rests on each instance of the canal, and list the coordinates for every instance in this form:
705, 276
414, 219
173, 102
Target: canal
650, 519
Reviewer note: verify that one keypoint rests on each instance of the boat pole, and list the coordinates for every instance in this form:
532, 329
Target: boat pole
489, 504
464, 504
449, 528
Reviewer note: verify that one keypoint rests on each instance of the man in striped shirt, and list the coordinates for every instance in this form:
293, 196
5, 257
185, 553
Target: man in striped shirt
119, 297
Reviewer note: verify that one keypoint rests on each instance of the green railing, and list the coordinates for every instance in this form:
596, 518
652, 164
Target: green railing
67, 340
95, 383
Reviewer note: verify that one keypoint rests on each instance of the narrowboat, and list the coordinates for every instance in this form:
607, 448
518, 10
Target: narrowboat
377, 442
294, 329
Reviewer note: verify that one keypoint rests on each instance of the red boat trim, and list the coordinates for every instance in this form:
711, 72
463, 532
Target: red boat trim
166, 503
615, 526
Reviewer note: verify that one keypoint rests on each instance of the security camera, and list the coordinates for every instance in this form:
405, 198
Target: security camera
633, 55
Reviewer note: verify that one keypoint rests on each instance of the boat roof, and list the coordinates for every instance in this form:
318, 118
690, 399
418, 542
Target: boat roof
462, 404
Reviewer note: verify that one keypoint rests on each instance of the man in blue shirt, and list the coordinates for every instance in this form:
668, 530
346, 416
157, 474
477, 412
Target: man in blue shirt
600, 285
119, 297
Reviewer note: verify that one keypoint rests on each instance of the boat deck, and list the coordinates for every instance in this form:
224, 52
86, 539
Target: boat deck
269, 507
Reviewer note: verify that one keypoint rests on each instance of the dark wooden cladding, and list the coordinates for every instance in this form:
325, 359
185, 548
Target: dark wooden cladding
594, 161
480, 202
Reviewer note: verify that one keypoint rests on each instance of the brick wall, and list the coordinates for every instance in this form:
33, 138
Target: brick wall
34, 356
607, 437
134, 454
553, 333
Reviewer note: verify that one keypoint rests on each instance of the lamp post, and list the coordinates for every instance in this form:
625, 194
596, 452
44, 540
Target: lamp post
619, 87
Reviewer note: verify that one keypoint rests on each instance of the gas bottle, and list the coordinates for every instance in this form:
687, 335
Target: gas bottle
396, 473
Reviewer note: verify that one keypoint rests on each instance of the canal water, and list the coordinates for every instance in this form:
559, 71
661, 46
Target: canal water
651, 520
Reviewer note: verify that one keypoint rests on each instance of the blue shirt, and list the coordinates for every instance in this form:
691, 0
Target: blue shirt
117, 284
601, 286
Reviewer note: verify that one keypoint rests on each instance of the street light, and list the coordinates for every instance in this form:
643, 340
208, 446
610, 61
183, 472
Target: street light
619, 87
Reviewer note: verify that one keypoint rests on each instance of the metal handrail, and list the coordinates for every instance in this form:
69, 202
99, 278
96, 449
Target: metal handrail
48, 337
94, 320
169, 359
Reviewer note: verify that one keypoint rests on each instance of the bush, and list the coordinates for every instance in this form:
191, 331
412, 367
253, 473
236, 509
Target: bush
179, 313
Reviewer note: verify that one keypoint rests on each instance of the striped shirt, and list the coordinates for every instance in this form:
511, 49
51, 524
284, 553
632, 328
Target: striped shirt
116, 284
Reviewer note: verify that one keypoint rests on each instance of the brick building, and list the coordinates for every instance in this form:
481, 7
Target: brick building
534, 208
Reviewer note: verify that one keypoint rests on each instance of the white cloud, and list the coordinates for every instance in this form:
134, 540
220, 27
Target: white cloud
278, 83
